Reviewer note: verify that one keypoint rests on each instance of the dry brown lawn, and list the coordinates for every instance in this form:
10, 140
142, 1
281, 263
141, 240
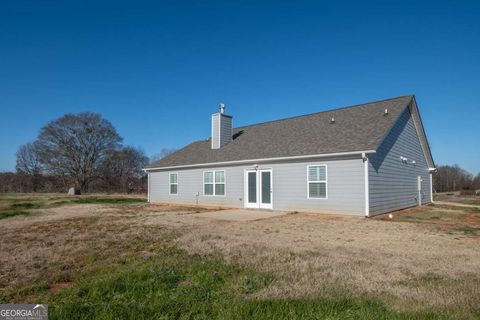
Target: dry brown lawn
423, 258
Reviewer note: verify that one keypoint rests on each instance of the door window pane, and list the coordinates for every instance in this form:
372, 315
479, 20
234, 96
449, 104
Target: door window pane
266, 187
252, 187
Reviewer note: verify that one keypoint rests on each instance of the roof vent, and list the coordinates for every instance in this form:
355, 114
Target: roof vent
332, 120
385, 112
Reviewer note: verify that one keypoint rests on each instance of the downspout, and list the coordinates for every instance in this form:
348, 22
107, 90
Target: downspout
367, 192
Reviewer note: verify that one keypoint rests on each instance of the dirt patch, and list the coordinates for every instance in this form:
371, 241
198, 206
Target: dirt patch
59, 286
448, 218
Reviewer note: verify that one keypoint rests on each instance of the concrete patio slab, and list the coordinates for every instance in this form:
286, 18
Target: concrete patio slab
241, 214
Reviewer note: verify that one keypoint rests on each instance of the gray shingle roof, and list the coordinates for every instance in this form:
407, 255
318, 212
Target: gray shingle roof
356, 128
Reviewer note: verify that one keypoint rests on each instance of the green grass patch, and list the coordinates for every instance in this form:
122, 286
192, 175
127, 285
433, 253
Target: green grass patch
18, 208
428, 216
474, 231
7, 213
472, 202
423, 280
175, 285
107, 200
14, 206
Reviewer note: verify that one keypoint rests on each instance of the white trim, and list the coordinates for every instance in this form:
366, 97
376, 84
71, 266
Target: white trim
219, 130
170, 184
415, 112
247, 204
215, 183
148, 187
431, 187
264, 160
260, 192
367, 187
319, 181
258, 185
419, 189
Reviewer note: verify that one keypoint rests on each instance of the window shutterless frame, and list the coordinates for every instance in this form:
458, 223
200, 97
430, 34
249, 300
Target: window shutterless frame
214, 183
170, 183
317, 181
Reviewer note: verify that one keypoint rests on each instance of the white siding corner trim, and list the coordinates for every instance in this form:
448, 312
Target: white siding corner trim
148, 187
365, 169
431, 187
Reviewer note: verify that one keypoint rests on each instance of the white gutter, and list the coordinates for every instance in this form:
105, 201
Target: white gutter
264, 160
367, 191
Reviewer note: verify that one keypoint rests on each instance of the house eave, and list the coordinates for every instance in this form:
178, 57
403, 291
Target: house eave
262, 160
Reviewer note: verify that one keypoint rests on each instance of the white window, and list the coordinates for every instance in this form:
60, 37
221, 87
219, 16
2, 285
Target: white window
173, 183
214, 183
317, 182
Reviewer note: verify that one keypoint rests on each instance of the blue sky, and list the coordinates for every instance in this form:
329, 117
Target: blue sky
157, 70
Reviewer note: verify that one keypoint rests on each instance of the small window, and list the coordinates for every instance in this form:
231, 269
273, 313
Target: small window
173, 183
220, 183
214, 183
208, 183
317, 182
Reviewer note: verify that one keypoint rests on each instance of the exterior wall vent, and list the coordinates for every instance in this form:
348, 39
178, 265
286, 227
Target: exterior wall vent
221, 128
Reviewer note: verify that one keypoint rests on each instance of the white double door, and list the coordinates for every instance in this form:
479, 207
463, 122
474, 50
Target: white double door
258, 189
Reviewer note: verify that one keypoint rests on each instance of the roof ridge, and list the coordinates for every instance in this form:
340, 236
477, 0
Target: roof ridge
330, 110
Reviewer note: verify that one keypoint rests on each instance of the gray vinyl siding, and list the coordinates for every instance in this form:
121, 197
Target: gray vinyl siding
221, 130
225, 130
215, 129
345, 187
393, 183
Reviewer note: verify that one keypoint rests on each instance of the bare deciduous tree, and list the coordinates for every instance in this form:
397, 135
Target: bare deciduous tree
28, 167
162, 154
28, 160
476, 182
452, 178
122, 169
75, 145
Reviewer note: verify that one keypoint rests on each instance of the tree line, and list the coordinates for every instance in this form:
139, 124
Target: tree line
453, 178
77, 150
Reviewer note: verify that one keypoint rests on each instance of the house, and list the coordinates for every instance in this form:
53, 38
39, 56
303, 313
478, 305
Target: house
365, 160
